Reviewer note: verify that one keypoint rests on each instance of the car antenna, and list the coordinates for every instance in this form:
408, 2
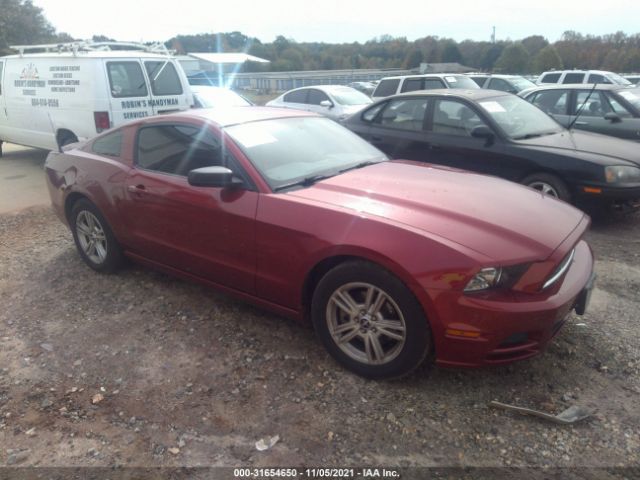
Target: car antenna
595, 84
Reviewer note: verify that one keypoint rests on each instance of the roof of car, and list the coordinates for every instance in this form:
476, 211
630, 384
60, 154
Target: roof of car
471, 94
93, 54
576, 86
324, 88
421, 75
227, 116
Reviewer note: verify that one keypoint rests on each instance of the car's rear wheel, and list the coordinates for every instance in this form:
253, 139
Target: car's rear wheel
93, 237
369, 321
549, 185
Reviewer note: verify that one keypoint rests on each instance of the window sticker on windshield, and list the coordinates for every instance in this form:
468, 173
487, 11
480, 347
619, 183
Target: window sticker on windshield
493, 107
628, 95
451, 79
252, 137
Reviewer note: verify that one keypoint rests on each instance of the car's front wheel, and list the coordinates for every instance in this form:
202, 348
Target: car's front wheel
549, 185
369, 321
93, 237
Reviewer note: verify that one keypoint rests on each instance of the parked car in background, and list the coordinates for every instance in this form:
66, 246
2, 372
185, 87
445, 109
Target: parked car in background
74, 91
581, 76
300, 216
501, 134
211, 97
635, 79
410, 83
608, 109
365, 87
504, 83
334, 101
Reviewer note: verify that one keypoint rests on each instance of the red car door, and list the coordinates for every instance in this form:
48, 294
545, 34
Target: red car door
205, 231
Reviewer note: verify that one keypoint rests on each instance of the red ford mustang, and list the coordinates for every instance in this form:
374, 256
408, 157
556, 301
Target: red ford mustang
394, 262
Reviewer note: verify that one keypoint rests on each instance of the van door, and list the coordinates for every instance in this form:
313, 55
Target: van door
129, 94
167, 92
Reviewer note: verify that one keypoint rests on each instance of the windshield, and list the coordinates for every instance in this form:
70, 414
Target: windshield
288, 150
617, 79
349, 96
632, 96
219, 97
460, 81
518, 118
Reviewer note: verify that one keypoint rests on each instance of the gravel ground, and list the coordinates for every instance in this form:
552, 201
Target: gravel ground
140, 369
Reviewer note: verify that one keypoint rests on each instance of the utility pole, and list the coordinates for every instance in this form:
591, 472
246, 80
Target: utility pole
493, 35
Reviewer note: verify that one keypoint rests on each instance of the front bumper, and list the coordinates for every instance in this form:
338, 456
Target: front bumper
475, 331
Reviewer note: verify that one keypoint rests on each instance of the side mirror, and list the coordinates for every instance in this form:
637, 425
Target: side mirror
612, 117
482, 131
326, 104
213, 177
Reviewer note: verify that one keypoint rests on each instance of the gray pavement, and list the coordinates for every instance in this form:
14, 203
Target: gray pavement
22, 182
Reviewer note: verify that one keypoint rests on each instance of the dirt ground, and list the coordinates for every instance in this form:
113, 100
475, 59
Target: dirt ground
138, 369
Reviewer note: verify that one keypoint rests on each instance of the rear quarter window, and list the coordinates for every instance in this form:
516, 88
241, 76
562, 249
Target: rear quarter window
550, 78
387, 87
109, 145
164, 78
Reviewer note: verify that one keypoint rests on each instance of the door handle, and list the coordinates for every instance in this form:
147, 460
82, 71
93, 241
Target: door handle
435, 146
137, 189
582, 123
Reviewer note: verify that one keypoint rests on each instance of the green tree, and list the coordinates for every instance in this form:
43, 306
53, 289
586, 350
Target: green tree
414, 59
546, 59
514, 59
451, 53
22, 23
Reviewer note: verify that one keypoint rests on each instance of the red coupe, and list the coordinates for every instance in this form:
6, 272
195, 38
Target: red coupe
393, 262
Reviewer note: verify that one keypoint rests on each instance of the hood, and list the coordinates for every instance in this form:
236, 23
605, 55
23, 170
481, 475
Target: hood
499, 219
606, 150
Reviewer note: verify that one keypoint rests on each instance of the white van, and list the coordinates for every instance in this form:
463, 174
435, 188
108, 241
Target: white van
54, 98
581, 76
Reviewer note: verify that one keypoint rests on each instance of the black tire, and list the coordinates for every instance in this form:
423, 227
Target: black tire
409, 352
113, 257
538, 180
66, 138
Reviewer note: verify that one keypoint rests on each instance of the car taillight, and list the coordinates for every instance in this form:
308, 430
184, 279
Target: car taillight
102, 121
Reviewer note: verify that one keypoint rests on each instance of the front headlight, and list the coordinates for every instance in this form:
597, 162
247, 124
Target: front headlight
494, 277
622, 174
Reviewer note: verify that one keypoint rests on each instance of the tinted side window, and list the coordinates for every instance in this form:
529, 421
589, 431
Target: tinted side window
573, 78
387, 87
412, 84
316, 96
550, 78
552, 101
176, 149
597, 78
164, 78
126, 79
454, 118
479, 80
431, 83
110, 144
405, 114
297, 96
598, 104
617, 107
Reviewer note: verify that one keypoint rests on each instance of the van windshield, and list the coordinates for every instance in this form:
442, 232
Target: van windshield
164, 78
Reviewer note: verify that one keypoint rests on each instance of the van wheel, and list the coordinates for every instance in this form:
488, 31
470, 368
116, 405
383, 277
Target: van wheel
369, 321
94, 239
549, 185
66, 138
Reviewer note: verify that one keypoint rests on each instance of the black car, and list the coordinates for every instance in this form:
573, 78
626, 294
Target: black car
502, 134
609, 109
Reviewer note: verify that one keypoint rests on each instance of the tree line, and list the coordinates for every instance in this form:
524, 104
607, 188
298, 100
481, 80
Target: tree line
21, 22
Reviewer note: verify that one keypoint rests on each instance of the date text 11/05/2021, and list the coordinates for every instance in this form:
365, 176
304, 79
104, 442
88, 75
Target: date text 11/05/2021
316, 473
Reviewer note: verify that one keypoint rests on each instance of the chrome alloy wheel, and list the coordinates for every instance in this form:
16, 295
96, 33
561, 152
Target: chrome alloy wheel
91, 236
365, 323
545, 188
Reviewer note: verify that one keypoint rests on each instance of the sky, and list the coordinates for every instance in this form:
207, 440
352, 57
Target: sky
340, 21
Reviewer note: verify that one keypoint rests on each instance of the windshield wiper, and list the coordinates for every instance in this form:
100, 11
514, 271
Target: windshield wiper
359, 165
305, 182
533, 135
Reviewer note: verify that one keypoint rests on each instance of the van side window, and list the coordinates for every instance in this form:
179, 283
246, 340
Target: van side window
110, 144
387, 87
164, 78
176, 149
573, 78
126, 79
